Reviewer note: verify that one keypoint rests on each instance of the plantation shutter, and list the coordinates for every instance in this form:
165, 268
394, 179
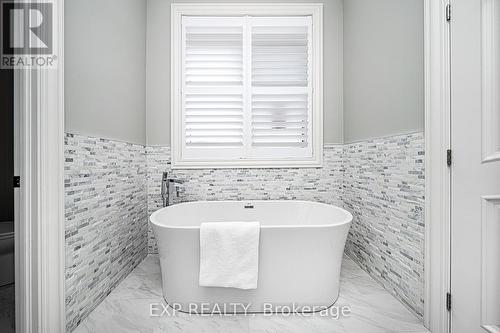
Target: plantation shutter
213, 86
281, 89
246, 88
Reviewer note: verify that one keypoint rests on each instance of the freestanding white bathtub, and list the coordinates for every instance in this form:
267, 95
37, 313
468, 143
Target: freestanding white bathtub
300, 254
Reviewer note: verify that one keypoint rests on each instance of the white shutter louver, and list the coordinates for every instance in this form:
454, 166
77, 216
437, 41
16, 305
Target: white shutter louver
213, 83
214, 56
280, 82
214, 120
280, 56
279, 120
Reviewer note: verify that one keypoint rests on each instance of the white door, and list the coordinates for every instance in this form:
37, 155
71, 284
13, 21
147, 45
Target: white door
475, 142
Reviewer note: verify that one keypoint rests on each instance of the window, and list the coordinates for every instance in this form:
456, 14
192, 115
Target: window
246, 88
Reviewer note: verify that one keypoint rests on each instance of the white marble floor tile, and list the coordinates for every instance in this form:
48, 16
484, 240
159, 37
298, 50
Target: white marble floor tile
295, 324
149, 266
127, 310
133, 316
120, 316
137, 286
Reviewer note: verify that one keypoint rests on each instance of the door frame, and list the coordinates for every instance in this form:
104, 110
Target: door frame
437, 172
39, 216
39, 233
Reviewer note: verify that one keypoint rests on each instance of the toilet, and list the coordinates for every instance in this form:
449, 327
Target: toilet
6, 253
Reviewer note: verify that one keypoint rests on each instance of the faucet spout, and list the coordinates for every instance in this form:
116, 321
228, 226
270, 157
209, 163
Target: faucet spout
168, 185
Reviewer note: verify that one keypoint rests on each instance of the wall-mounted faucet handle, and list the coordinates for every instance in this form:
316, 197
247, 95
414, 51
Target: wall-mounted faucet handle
164, 183
168, 186
164, 189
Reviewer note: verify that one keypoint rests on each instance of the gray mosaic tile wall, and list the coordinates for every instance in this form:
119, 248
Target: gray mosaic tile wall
106, 219
112, 187
384, 190
316, 184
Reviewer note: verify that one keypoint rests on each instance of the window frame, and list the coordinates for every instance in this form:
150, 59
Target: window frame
243, 9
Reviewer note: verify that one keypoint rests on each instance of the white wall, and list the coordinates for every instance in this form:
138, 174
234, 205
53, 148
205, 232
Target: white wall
105, 68
115, 90
158, 69
383, 68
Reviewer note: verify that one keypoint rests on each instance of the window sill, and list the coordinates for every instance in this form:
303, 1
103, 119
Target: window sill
246, 164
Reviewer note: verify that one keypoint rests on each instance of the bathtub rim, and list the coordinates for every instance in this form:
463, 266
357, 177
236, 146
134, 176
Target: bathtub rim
153, 217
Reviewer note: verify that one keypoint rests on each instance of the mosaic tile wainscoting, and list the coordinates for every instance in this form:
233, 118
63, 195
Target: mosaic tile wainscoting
384, 190
112, 187
106, 219
315, 184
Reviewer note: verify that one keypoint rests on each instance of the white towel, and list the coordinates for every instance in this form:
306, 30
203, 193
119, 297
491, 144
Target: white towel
229, 254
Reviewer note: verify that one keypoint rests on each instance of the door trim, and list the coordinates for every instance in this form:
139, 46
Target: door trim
39, 227
437, 172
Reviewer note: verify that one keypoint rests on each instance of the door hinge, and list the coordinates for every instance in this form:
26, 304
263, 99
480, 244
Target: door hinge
17, 181
448, 13
448, 157
448, 301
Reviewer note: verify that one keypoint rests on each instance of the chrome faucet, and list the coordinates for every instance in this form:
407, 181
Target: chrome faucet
168, 186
